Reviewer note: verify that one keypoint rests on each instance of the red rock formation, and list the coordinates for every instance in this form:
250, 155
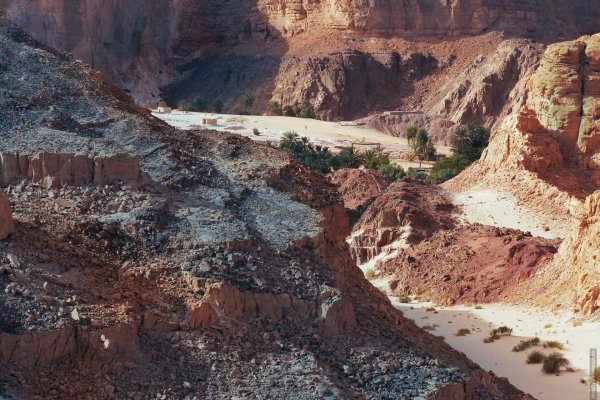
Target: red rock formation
546, 155
405, 214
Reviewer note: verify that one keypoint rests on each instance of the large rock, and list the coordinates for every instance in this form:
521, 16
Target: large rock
547, 154
6, 221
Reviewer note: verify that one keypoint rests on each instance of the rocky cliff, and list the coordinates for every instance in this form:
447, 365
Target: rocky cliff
547, 153
572, 280
430, 17
217, 49
221, 273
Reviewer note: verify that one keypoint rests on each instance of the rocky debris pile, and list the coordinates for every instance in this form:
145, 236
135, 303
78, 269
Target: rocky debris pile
404, 214
544, 154
223, 273
468, 264
573, 279
358, 187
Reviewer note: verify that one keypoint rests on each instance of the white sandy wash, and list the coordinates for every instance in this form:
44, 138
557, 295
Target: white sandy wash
271, 128
499, 357
495, 208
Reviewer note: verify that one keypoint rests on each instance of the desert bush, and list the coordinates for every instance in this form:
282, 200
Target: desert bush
255, 131
525, 344
428, 328
553, 344
553, 363
370, 274
596, 375
547, 326
478, 307
535, 357
497, 333
404, 299
462, 332
391, 172
412, 173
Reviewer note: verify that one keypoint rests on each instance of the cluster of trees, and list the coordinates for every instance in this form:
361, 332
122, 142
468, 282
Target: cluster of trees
467, 144
200, 105
321, 159
302, 110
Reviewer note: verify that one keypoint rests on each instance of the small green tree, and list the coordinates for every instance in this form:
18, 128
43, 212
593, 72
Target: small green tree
247, 100
411, 134
470, 141
307, 110
218, 106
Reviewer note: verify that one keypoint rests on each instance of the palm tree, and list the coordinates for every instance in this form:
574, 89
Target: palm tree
247, 100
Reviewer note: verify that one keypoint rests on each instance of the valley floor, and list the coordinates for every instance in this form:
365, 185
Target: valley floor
499, 357
271, 128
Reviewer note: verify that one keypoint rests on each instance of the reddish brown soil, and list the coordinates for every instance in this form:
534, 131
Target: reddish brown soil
358, 187
469, 264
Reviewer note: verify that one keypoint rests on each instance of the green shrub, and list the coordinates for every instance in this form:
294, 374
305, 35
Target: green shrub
535, 357
348, 157
391, 172
414, 174
553, 363
468, 143
307, 110
525, 344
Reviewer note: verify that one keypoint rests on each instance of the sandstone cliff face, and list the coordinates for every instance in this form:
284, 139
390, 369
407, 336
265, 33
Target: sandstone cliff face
429, 17
572, 280
546, 154
142, 46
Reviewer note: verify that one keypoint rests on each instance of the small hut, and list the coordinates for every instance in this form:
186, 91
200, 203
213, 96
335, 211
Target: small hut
163, 108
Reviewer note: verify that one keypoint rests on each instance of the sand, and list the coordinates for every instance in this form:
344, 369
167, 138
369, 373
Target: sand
499, 357
495, 208
334, 135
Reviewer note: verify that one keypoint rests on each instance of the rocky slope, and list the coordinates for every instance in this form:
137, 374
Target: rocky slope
201, 265
358, 187
547, 154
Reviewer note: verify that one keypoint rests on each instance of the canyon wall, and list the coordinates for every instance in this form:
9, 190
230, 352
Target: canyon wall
547, 154
432, 17
143, 47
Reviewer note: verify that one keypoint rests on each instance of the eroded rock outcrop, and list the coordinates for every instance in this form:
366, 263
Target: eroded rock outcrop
57, 170
572, 280
6, 220
545, 154
403, 215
